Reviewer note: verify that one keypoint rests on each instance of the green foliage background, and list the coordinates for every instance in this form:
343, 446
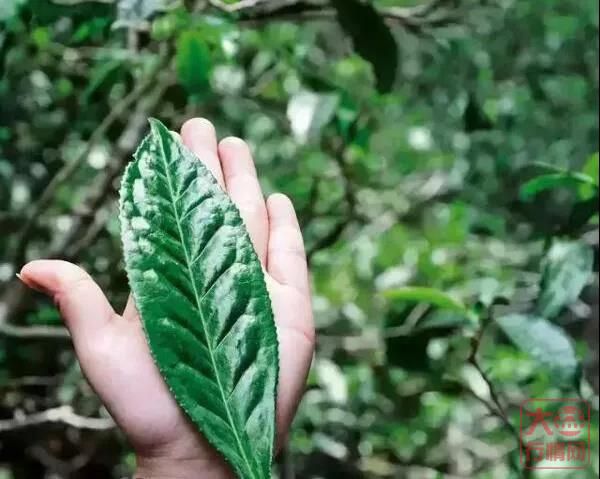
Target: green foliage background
443, 168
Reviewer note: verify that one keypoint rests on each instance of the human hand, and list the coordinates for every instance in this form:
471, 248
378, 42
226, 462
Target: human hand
112, 348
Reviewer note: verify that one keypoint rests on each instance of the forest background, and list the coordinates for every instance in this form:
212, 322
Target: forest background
442, 158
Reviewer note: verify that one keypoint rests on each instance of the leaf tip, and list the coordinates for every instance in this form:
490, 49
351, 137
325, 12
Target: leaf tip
156, 126
153, 121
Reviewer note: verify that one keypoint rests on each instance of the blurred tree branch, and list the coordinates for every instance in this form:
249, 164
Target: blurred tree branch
498, 410
431, 14
33, 332
60, 415
235, 7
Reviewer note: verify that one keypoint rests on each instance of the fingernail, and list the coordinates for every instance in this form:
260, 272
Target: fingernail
29, 283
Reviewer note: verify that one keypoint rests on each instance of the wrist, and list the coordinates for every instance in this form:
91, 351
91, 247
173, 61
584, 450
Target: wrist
163, 468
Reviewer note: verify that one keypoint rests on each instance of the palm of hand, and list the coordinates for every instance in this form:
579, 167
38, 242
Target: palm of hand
113, 351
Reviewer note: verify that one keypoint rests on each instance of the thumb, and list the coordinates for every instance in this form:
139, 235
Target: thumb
80, 300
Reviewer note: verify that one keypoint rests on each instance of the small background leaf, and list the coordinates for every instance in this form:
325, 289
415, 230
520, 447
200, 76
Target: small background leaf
431, 296
567, 268
592, 168
545, 342
370, 37
308, 112
554, 180
194, 64
136, 13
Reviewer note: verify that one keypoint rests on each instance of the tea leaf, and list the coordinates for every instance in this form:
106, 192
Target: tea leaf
546, 343
201, 294
567, 268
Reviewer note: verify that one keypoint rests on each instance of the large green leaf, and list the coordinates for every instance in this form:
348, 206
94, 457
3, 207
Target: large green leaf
567, 268
200, 290
543, 341
371, 37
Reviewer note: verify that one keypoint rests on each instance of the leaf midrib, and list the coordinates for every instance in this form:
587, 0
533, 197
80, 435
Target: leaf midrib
199, 307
